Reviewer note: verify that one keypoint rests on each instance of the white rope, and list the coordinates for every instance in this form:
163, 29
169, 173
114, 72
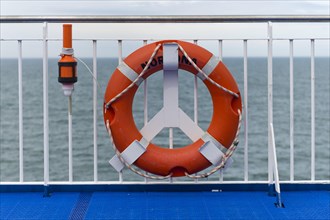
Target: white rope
138, 78
128, 165
90, 72
225, 157
205, 75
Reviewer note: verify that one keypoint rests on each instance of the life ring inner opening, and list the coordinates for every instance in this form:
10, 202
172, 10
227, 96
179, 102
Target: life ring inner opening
155, 100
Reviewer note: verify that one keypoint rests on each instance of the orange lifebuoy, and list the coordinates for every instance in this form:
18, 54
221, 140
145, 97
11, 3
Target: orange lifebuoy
188, 159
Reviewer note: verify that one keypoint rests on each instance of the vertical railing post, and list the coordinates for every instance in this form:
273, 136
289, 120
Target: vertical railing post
120, 52
145, 91
70, 137
312, 109
246, 155
170, 140
195, 100
45, 108
145, 104
220, 58
270, 93
120, 60
20, 112
95, 110
291, 114
195, 96
220, 50
68, 87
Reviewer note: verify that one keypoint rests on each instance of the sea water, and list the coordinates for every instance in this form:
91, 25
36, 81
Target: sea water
83, 119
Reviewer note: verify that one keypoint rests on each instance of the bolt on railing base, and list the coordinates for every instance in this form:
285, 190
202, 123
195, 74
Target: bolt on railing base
278, 203
272, 192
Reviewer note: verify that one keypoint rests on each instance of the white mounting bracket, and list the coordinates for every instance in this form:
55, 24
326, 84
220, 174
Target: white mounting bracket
171, 115
213, 154
129, 155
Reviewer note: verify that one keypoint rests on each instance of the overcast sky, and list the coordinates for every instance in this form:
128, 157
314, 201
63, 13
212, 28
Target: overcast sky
168, 7
163, 31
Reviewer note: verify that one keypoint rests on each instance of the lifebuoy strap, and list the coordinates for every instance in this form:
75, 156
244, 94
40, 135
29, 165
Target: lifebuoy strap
129, 155
213, 154
129, 73
209, 67
207, 137
213, 150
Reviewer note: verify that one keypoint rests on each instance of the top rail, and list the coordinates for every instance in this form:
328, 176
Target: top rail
166, 19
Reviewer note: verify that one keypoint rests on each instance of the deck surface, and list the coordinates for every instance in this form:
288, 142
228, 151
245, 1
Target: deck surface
164, 205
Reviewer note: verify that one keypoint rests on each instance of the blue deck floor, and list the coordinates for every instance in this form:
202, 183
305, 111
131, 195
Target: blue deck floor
164, 205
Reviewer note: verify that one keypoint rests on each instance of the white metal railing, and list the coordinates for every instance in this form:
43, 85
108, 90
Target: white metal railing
205, 19
45, 104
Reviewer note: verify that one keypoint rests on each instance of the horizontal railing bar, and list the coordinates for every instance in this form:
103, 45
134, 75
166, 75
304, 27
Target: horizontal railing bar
164, 182
166, 19
141, 39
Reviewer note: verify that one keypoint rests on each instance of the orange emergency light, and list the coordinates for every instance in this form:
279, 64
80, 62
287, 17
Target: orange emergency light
67, 65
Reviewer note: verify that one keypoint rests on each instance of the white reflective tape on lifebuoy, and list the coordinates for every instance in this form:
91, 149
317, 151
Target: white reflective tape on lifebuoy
207, 137
129, 73
133, 152
130, 154
211, 152
209, 67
